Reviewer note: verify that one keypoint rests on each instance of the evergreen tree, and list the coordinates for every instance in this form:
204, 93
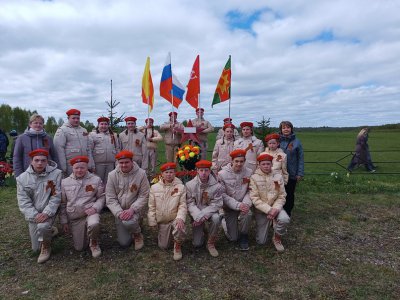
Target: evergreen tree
262, 129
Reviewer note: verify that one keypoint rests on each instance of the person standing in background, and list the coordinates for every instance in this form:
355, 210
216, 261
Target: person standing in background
172, 137
362, 156
152, 137
202, 123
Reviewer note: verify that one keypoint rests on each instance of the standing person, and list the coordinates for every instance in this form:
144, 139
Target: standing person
295, 161
204, 200
14, 136
152, 137
251, 144
172, 137
82, 199
39, 196
105, 145
167, 209
267, 192
223, 147
362, 155
133, 140
3, 145
71, 140
279, 162
34, 137
202, 123
220, 133
235, 179
127, 193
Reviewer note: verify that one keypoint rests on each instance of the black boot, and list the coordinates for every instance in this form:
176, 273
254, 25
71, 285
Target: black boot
244, 242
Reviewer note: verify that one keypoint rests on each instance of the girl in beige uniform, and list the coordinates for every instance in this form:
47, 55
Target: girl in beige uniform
279, 163
223, 147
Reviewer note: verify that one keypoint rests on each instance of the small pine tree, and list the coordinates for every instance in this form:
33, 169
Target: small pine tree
114, 120
262, 129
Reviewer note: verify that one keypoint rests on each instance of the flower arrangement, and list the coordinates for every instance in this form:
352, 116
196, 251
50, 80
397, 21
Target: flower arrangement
6, 171
187, 156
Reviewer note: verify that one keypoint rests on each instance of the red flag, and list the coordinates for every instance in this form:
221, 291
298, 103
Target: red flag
193, 86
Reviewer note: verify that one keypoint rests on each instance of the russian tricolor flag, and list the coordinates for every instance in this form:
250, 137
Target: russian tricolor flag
170, 87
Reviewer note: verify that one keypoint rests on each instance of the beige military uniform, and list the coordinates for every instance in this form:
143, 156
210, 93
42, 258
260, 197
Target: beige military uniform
202, 123
104, 148
204, 200
167, 202
220, 155
69, 142
267, 191
236, 187
136, 143
279, 163
39, 193
152, 145
220, 134
77, 196
124, 191
254, 147
172, 141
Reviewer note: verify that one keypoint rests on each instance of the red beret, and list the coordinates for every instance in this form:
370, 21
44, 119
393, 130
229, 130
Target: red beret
229, 125
228, 120
238, 153
199, 109
272, 136
173, 112
203, 164
124, 154
127, 119
39, 152
73, 111
78, 159
103, 119
246, 124
168, 166
149, 119
264, 156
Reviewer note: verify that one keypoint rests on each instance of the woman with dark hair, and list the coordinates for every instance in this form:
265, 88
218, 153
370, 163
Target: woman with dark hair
293, 149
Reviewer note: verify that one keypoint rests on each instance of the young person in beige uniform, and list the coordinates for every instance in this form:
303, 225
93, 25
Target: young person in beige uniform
167, 209
223, 147
202, 123
105, 145
39, 196
127, 194
279, 163
267, 192
72, 140
152, 137
204, 200
251, 144
172, 137
220, 133
82, 200
235, 179
135, 141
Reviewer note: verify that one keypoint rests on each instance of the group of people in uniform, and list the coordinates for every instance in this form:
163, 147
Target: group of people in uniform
80, 173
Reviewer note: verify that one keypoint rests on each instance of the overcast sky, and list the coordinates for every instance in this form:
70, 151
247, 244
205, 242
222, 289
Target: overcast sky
316, 63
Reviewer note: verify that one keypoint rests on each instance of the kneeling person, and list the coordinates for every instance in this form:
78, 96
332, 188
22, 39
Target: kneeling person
167, 209
204, 200
82, 200
39, 196
267, 192
127, 193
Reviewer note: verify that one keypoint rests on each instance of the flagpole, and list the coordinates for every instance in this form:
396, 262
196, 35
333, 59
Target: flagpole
229, 113
172, 95
198, 102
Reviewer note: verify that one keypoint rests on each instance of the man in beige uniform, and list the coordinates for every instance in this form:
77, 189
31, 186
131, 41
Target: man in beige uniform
235, 179
267, 192
127, 193
167, 209
39, 196
204, 200
152, 137
201, 123
133, 140
72, 140
81, 203
220, 133
172, 137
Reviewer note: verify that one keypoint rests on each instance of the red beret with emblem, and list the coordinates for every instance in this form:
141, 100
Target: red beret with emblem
246, 124
168, 166
39, 152
132, 119
228, 120
272, 136
203, 164
229, 125
264, 156
173, 113
124, 154
199, 109
73, 111
103, 119
149, 119
78, 159
238, 153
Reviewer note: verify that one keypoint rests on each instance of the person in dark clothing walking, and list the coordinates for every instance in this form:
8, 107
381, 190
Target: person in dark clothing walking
362, 155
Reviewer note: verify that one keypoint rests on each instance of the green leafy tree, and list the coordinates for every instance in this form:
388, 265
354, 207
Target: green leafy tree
51, 125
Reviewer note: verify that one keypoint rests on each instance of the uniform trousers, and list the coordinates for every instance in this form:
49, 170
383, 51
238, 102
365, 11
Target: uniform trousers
83, 229
40, 232
213, 226
103, 169
203, 147
125, 229
236, 223
152, 159
280, 224
168, 232
170, 152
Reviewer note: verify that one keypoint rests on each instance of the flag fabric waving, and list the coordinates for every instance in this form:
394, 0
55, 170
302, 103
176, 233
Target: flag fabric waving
223, 90
147, 86
170, 87
193, 86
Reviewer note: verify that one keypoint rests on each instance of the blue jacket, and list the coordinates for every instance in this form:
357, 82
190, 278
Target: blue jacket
3, 142
295, 155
